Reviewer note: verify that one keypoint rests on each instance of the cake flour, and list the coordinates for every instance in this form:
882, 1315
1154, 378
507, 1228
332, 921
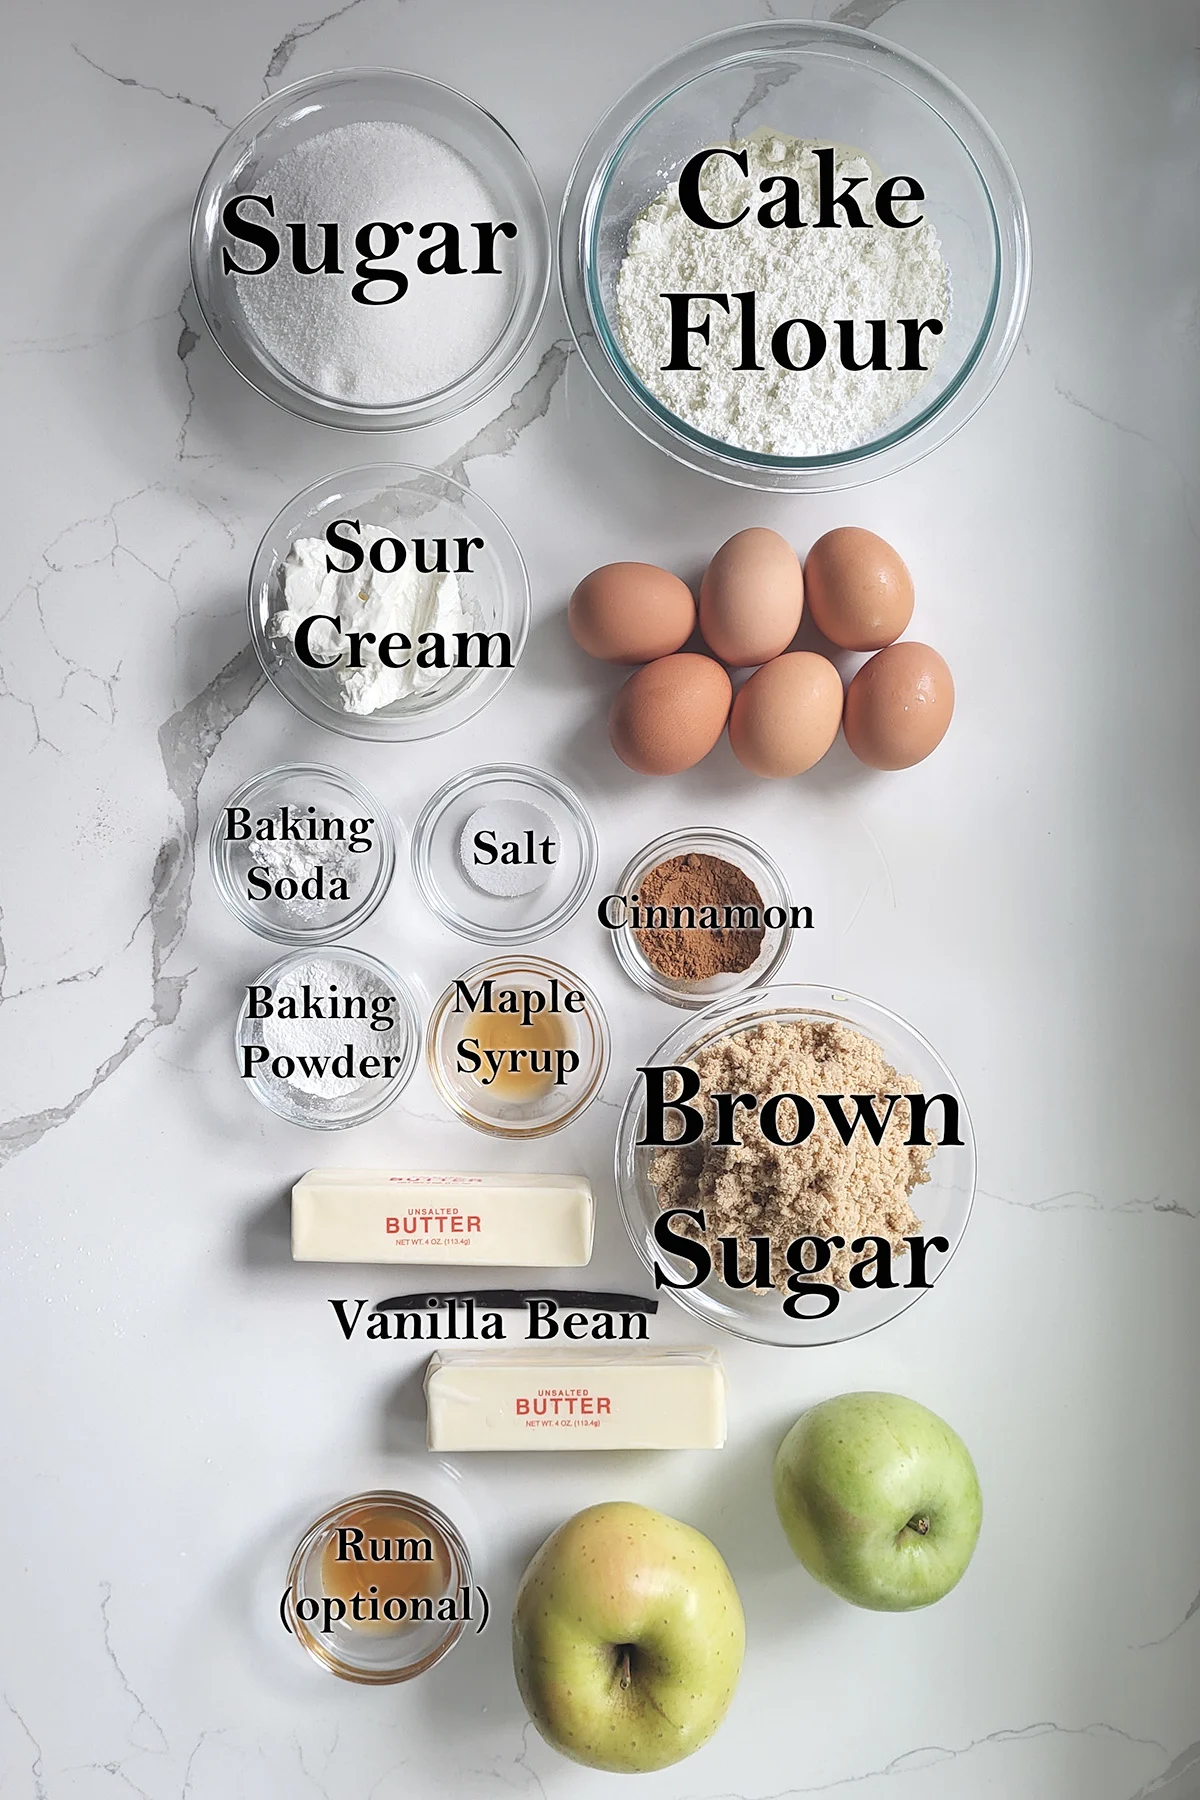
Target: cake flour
823, 275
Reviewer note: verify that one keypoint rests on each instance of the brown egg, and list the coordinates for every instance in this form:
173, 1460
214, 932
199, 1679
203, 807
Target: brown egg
670, 714
860, 594
751, 598
631, 612
787, 715
899, 706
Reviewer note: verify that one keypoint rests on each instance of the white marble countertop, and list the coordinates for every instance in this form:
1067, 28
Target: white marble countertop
178, 1398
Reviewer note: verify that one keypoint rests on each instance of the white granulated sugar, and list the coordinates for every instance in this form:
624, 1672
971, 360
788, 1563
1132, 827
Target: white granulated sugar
823, 274
376, 355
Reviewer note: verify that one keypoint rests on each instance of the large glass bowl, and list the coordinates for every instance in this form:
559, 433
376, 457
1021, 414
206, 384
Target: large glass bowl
407, 501
943, 1203
347, 97
837, 85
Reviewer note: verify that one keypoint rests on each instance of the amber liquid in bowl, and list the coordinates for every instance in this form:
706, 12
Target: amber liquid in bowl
527, 1062
381, 1553
379, 1587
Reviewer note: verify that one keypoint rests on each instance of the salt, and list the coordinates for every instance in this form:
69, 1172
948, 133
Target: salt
509, 848
375, 354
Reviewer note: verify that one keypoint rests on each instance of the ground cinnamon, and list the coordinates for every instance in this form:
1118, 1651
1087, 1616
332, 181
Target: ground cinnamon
727, 935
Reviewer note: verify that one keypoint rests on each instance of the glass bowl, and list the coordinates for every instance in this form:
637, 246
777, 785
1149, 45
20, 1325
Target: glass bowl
943, 1203
300, 1102
490, 918
378, 1656
403, 500
509, 1114
838, 85
752, 861
306, 110
310, 793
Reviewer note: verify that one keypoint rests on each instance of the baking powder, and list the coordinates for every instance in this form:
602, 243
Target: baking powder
334, 987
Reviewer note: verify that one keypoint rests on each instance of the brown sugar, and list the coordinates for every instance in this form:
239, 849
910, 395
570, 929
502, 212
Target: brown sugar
712, 918
820, 1187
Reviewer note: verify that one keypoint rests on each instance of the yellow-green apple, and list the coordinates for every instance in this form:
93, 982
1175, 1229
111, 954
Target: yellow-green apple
628, 1638
879, 1499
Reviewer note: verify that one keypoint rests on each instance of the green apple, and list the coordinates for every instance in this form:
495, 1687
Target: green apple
628, 1638
879, 1500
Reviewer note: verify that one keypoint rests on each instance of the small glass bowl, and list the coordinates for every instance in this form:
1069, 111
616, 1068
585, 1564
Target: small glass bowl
836, 84
376, 1659
367, 873
401, 499
752, 861
943, 1203
454, 897
370, 1097
475, 1104
345, 97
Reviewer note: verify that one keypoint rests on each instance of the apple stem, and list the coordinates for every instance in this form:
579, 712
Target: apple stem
626, 1672
920, 1525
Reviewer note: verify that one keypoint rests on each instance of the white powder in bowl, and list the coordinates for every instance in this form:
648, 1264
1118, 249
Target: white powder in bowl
327, 989
508, 848
375, 354
297, 863
823, 274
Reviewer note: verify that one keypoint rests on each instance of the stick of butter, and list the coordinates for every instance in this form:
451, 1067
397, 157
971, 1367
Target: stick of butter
580, 1399
492, 1221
